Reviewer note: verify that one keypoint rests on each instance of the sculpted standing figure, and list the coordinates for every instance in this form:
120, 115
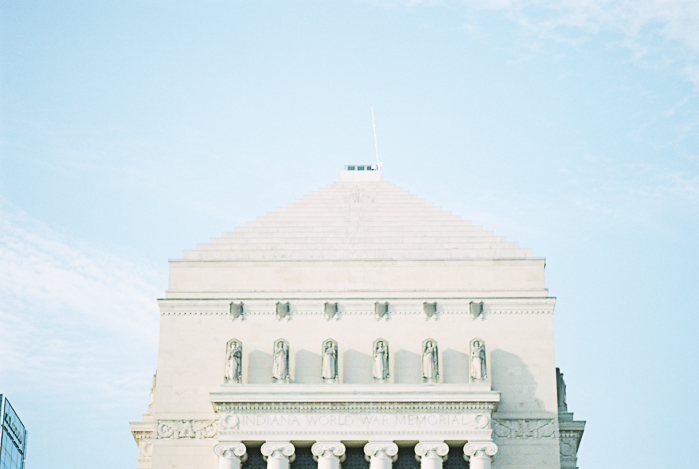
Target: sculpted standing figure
329, 365
430, 361
561, 388
234, 360
478, 366
380, 360
280, 367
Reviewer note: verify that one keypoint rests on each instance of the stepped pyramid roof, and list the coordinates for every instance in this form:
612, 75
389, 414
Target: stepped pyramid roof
359, 217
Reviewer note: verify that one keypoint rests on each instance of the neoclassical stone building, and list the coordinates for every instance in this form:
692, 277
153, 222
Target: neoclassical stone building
358, 326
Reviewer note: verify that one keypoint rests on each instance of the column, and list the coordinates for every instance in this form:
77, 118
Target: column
230, 454
278, 454
431, 454
329, 454
479, 454
381, 454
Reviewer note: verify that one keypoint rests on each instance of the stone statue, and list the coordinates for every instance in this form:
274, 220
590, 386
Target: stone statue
561, 391
280, 366
430, 361
478, 365
380, 360
152, 389
234, 361
329, 365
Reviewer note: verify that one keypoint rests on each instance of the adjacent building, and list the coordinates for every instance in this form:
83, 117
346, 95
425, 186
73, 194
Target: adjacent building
359, 326
13, 445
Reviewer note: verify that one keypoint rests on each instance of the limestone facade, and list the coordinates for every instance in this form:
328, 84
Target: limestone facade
359, 325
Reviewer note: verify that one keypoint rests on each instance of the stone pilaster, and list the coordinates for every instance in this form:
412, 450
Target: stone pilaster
570, 434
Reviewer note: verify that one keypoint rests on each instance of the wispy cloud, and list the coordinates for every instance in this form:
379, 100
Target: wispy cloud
73, 316
660, 33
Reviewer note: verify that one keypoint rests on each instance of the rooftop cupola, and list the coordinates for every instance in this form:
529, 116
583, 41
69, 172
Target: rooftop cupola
361, 172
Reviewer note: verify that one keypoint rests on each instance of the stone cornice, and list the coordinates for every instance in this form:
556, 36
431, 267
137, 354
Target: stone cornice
534, 260
356, 398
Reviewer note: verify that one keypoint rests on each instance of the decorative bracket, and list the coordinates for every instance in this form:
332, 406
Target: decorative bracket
283, 310
381, 310
236, 310
430, 309
330, 310
475, 308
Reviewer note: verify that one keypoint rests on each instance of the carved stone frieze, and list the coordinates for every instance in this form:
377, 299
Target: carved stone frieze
357, 407
179, 429
524, 429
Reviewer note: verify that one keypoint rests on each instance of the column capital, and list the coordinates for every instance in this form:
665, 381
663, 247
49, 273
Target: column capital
231, 448
320, 448
278, 448
473, 447
438, 448
375, 448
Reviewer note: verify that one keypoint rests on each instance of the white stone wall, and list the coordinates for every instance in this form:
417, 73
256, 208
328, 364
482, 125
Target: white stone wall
355, 244
518, 342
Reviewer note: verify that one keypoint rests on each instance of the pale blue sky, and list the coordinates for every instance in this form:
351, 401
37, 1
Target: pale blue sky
132, 130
